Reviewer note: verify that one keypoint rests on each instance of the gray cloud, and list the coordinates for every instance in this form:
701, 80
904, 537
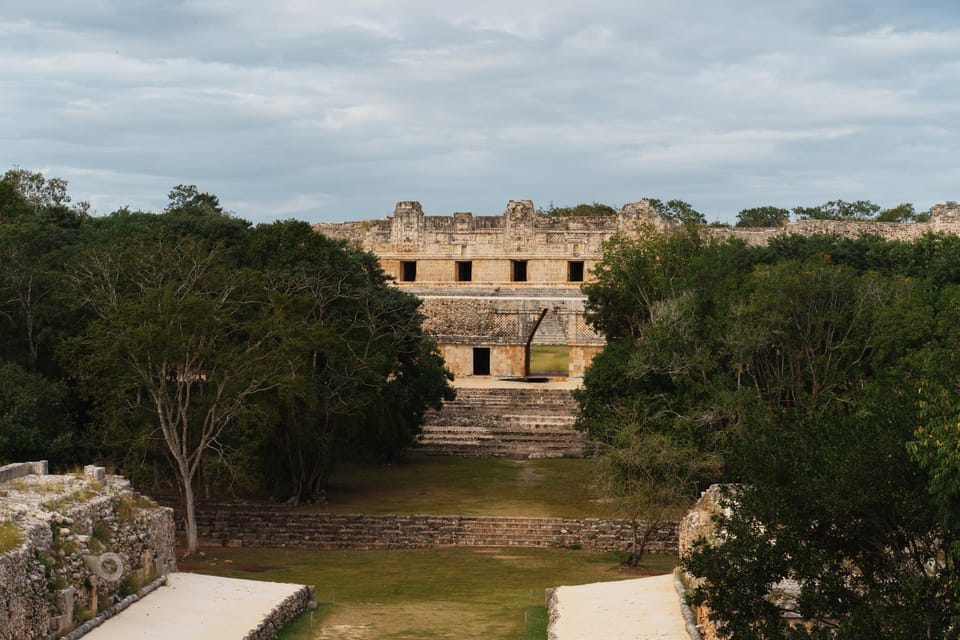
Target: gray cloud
323, 112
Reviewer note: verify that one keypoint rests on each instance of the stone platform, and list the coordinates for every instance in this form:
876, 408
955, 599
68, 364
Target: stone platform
193, 606
641, 609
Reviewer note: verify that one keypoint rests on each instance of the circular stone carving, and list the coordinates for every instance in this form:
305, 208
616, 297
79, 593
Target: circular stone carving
109, 566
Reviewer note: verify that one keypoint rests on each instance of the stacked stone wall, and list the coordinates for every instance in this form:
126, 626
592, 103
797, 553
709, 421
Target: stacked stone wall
233, 526
87, 543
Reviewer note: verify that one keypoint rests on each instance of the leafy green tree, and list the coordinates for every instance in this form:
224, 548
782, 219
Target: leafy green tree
36, 417
179, 335
582, 209
763, 217
903, 213
791, 369
839, 210
360, 371
186, 198
678, 211
38, 192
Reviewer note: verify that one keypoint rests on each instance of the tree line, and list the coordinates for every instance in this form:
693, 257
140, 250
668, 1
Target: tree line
192, 345
817, 377
681, 212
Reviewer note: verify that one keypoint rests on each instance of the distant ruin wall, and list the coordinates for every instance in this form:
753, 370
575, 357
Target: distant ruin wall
521, 231
283, 527
486, 304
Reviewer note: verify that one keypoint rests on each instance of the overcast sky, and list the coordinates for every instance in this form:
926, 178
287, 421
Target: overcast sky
336, 110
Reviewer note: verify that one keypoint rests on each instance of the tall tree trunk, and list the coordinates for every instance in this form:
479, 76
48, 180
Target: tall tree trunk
189, 510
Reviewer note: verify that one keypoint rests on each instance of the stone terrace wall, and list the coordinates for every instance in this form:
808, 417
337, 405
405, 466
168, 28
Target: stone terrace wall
944, 218
282, 527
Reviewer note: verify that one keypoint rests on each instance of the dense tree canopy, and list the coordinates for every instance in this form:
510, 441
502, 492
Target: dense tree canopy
792, 371
240, 355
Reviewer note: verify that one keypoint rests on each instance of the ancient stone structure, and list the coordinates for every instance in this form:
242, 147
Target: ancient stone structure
76, 549
492, 286
240, 526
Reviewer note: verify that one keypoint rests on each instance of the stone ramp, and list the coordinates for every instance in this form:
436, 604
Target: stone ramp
641, 609
194, 606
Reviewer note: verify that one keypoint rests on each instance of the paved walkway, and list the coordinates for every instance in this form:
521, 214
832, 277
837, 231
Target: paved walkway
196, 607
641, 609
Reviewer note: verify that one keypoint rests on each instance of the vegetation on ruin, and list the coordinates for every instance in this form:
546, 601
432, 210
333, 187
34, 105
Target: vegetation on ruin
820, 375
428, 593
10, 535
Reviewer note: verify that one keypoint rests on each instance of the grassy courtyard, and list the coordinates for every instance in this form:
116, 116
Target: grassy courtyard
424, 484
431, 593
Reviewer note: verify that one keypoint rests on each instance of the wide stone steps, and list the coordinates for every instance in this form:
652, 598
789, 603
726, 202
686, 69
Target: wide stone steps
526, 422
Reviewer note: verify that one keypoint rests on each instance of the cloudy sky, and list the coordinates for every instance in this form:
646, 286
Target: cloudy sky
324, 110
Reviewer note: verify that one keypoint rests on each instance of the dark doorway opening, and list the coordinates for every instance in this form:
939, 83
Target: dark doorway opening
519, 270
408, 271
575, 271
481, 361
464, 271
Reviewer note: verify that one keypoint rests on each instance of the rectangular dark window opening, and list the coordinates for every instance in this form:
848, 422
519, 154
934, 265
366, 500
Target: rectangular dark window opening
575, 271
519, 270
464, 271
481, 361
408, 271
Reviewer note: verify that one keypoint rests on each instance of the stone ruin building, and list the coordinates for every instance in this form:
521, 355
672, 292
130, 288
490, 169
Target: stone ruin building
493, 287
496, 288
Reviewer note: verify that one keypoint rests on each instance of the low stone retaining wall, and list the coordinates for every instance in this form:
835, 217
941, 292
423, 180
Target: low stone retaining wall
265, 526
283, 613
20, 469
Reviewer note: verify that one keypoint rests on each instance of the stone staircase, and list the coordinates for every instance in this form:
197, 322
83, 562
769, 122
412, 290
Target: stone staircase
513, 423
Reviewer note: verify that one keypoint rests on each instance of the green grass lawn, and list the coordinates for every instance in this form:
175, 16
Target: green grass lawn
442, 485
430, 593
549, 358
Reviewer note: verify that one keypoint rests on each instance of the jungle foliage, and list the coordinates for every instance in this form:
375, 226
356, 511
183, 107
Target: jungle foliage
243, 358
792, 372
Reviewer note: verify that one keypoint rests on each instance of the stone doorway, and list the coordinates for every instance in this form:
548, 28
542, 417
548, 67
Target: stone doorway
481, 361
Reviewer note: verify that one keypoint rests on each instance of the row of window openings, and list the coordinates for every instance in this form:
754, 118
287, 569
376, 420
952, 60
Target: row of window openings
518, 271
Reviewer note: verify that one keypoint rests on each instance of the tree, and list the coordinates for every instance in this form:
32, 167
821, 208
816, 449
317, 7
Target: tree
763, 217
678, 211
186, 198
176, 334
359, 370
39, 192
36, 419
582, 209
792, 371
839, 210
902, 213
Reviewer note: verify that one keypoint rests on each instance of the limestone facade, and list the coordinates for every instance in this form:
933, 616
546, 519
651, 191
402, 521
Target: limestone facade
493, 286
